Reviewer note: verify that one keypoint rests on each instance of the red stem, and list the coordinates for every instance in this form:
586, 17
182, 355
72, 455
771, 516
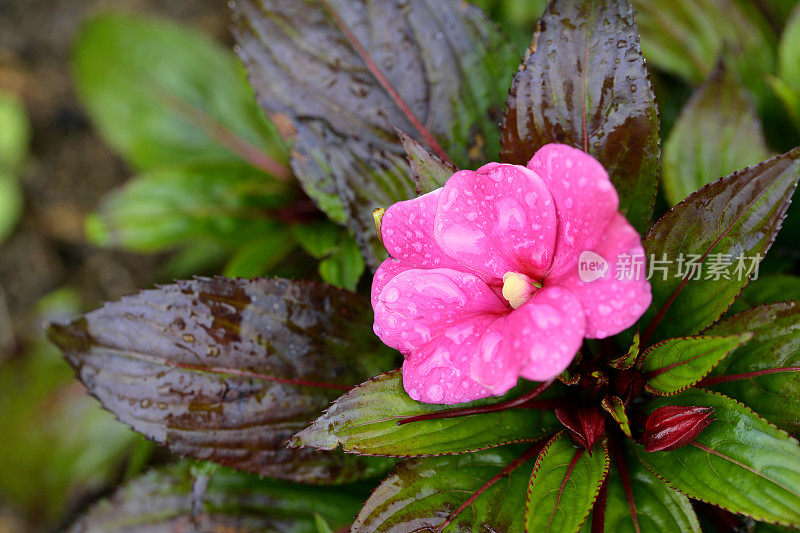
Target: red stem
516, 463
599, 509
619, 459
465, 411
386, 84
714, 380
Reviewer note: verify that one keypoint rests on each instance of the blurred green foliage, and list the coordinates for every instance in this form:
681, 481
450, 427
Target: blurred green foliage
58, 446
14, 140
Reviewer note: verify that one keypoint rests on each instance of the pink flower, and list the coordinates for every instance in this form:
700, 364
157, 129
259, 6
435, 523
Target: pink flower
484, 282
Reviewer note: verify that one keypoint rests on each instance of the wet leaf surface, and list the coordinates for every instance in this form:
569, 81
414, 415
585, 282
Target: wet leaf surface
736, 216
436, 69
174, 498
776, 343
739, 462
584, 83
422, 493
677, 364
657, 507
564, 485
227, 370
365, 420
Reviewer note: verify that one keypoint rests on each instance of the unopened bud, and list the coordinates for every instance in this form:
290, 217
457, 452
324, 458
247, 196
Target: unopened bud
377, 214
673, 426
585, 424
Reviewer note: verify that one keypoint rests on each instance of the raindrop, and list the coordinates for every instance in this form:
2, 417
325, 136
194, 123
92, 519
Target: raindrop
622, 43
633, 87
188, 337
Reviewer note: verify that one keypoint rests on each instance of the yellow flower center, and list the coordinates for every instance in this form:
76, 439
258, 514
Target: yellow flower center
518, 288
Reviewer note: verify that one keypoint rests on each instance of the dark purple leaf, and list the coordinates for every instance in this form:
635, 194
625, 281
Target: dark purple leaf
585, 424
344, 74
182, 498
584, 83
736, 216
227, 370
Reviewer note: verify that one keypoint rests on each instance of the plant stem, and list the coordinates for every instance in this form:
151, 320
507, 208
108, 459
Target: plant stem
453, 413
532, 452
714, 380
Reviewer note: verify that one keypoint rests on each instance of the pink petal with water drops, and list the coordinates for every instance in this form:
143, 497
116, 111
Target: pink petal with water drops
585, 200
610, 304
416, 305
407, 231
439, 372
497, 220
547, 332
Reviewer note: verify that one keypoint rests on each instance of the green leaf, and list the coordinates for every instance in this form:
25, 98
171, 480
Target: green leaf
767, 289
259, 256
616, 408
564, 485
15, 132
717, 132
227, 370
586, 84
675, 365
364, 421
341, 261
11, 204
421, 494
686, 37
345, 266
162, 94
736, 216
344, 88
776, 344
629, 359
162, 209
429, 171
789, 52
740, 462
173, 499
657, 506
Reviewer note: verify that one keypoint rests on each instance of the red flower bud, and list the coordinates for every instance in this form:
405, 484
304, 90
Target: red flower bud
585, 424
673, 426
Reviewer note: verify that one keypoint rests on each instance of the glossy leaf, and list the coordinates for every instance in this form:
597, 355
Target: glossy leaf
437, 70
676, 364
564, 485
657, 506
776, 344
421, 494
718, 132
740, 462
767, 289
226, 370
626, 361
736, 216
585, 84
228, 204
614, 407
162, 94
173, 499
429, 171
365, 420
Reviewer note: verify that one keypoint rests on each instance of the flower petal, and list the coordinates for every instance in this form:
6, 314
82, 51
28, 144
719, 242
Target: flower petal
585, 200
407, 231
618, 298
547, 331
496, 220
439, 371
416, 305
